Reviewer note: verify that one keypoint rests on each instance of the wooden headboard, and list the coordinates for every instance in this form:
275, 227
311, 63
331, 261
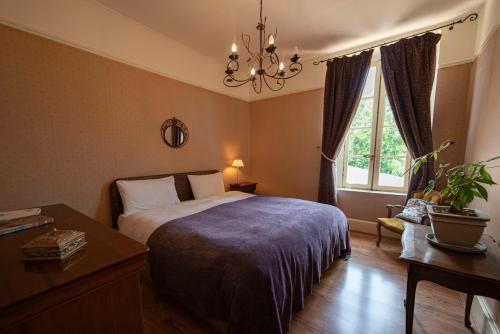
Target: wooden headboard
181, 185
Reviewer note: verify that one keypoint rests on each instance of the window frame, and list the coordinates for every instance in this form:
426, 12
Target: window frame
374, 156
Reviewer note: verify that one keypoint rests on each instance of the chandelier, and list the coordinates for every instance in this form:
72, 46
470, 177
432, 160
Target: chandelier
267, 67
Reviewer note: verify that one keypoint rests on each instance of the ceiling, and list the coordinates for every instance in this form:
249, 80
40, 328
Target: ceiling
317, 27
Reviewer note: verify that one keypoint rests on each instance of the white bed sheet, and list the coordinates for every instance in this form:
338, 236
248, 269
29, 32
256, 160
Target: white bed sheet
140, 225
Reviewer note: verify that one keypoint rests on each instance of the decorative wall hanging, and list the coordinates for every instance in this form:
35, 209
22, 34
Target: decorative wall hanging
174, 133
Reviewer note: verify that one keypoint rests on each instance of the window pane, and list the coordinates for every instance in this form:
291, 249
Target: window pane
388, 115
369, 89
359, 141
364, 114
357, 171
392, 143
391, 172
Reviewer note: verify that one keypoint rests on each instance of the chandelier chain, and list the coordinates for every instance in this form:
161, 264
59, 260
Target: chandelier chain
260, 11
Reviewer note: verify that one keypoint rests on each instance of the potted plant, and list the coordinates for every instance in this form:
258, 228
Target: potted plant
456, 224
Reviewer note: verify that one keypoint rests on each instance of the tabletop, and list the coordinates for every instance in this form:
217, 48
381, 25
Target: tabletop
417, 250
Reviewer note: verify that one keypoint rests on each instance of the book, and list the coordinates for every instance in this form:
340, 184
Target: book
24, 223
10, 215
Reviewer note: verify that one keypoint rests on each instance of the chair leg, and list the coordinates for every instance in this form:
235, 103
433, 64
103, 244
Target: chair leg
379, 234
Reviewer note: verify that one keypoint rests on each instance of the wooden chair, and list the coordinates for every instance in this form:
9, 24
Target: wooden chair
396, 225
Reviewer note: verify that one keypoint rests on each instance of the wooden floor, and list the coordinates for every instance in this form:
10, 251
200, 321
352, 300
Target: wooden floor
362, 295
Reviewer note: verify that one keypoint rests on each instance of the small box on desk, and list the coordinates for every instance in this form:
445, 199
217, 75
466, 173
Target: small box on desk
54, 245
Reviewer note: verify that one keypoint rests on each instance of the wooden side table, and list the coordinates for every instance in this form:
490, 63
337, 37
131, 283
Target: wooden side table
474, 274
246, 187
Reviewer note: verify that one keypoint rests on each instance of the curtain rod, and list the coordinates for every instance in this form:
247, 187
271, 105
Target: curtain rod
471, 17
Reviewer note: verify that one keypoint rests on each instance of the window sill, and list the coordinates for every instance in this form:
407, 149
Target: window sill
379, 192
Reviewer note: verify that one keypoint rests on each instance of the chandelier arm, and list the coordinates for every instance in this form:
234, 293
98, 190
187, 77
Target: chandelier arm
257, 89
245, 38
277, 63
273, 60
254, 59
280, 85
277, 58
273, 76
271, 65
299, 65
238, 84
298, 70
238, 80
233, 62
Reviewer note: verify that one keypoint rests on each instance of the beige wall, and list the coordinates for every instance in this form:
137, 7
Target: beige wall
90, 26
286, 134
489, 22
483, 139
451, 112
71, 122
285, 138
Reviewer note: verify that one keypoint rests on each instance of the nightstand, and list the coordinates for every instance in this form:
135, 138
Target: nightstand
246, 187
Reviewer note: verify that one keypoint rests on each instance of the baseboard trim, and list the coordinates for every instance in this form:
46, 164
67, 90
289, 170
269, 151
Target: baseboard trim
369, 227
482, 318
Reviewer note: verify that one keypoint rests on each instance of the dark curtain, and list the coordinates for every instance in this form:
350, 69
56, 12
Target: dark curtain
345, 79
408, 67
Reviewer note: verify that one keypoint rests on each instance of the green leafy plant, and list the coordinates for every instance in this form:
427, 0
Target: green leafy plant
464, 182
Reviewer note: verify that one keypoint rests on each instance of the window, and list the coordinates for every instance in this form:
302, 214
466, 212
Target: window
374, 155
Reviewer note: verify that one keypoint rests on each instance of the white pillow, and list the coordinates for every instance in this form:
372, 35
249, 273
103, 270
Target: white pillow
206, 185
138, 195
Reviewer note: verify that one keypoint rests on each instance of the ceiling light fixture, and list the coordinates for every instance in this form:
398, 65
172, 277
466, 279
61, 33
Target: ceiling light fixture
266, 66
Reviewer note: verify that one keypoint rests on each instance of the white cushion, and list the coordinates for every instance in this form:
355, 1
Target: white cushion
206, 185
138, 195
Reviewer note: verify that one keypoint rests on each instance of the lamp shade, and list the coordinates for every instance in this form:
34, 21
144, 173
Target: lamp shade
238, 163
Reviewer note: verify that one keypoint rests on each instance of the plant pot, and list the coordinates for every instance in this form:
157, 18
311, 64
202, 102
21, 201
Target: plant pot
457, 229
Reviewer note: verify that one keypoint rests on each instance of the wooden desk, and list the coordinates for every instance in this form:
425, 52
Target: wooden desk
97, 292
474, 274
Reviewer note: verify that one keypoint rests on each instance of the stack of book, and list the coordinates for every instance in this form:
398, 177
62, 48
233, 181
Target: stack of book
18, 220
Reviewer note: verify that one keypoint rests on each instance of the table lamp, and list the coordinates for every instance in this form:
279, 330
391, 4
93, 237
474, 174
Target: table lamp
237, 163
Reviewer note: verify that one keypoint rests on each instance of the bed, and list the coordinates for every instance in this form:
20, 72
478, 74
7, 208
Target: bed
247, 260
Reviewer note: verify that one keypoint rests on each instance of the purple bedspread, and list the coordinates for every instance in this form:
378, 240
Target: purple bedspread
249, 262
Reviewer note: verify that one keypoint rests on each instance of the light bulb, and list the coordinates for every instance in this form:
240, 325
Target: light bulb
282, 66
252, 71
296, 50
271, 40
234, 48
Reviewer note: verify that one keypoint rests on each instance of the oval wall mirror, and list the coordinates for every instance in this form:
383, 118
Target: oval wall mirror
174, 133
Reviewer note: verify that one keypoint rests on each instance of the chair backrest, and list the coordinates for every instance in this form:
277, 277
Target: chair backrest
433, 197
